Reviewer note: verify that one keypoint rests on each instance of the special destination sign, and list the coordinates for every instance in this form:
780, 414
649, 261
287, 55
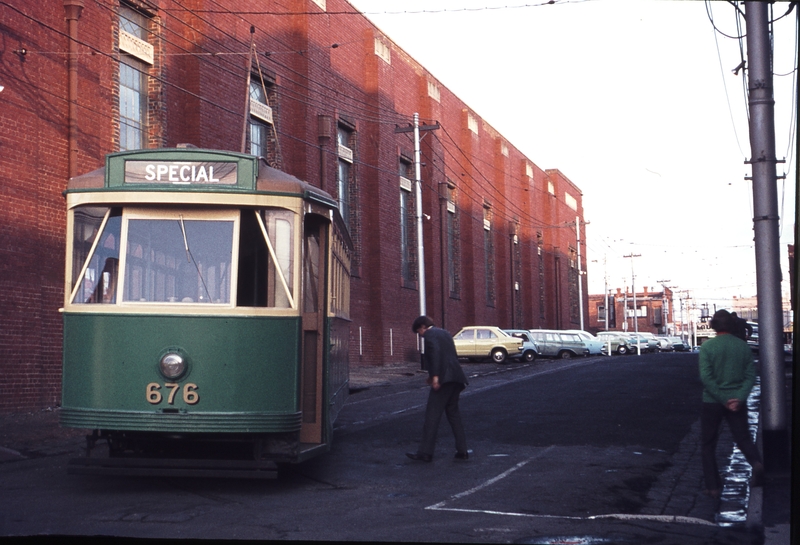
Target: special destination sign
180, 172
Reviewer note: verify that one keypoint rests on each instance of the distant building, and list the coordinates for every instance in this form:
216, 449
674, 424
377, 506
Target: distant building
745, 307
653, 312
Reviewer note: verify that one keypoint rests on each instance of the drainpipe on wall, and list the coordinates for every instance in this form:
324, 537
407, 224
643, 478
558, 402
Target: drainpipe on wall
73, 9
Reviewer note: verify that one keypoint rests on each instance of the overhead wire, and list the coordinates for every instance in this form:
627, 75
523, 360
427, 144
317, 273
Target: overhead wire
724, 84
232, 69
403, 12
228, 11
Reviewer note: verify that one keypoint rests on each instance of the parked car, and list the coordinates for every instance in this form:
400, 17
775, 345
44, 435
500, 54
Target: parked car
594, 344
652, 342
638, 343
619, 342
481, 342
664, 344
679, 345
558, 344
529, 348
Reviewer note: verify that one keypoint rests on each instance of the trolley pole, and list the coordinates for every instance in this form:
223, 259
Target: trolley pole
765, 223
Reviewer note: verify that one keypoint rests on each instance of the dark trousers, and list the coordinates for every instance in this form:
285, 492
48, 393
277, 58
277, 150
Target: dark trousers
711, 418
443, 400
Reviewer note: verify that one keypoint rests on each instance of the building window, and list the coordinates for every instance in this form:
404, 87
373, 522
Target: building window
516, 285
262, 125
601, 313
488, 248
407, 264
344, 172
135, 55
453, 246
540, 253
573, 278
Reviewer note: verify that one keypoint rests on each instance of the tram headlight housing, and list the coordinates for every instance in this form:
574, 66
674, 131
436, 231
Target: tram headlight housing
172, 365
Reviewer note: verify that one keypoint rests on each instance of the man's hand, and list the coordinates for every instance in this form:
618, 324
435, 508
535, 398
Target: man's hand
434, 382
732, 404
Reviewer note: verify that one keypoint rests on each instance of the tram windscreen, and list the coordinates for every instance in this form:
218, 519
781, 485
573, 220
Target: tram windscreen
178, 261
266, 264
98, 229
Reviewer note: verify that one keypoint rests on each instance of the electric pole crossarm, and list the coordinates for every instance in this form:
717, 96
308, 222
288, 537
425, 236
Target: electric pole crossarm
433, 127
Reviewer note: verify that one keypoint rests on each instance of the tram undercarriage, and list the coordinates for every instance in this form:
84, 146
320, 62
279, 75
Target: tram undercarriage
187, 454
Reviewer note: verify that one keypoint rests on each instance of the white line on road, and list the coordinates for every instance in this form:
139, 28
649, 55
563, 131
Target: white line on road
493, 480
656, 518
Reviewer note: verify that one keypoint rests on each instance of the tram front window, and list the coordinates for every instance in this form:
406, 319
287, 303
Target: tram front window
178, 261
266, 264
95, 254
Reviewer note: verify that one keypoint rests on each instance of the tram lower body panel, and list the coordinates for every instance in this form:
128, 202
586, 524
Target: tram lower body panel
238, 394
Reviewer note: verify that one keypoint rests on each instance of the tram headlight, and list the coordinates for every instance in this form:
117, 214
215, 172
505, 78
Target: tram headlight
172, 365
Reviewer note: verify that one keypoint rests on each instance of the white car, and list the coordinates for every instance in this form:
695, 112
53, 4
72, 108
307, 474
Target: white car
665, 345
594, 344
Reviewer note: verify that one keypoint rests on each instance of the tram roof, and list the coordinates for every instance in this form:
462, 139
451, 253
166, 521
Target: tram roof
269, 179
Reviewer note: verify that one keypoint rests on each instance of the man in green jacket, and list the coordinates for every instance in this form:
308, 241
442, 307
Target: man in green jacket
728, 374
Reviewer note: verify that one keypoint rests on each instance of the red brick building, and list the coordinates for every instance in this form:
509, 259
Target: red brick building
330, 99
654, 313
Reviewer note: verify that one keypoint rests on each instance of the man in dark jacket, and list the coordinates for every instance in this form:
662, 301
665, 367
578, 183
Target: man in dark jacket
447, 380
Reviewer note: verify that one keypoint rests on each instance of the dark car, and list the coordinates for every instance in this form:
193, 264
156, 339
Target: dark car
679, 345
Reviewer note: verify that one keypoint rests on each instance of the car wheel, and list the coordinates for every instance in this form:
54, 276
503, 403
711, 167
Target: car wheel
498, 355
529, 356
622, 350
565, 355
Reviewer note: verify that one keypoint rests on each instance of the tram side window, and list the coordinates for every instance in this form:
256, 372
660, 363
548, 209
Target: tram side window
94, 273
261, 282
311, 253
178, 261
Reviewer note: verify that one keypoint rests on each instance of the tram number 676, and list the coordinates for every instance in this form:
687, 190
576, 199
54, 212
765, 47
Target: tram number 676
190, 395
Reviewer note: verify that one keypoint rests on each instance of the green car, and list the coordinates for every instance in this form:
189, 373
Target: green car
619, 343
481, 342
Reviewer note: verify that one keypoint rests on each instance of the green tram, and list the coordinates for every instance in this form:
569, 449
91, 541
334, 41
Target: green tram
206, 315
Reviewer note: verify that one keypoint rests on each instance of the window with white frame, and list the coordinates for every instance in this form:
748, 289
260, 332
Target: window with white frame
136, 55
260, 118
488, 247
344, 137
453, 243
407, 271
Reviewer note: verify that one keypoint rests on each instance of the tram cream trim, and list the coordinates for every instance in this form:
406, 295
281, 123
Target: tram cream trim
167, 199
177, 309
293, 203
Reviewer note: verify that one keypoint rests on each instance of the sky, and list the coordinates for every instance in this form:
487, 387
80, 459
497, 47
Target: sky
636, 103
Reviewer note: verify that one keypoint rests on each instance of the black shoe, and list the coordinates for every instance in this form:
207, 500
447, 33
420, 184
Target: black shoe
419, 456
461, 456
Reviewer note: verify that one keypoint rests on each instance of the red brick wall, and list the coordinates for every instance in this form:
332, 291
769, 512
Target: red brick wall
197, 96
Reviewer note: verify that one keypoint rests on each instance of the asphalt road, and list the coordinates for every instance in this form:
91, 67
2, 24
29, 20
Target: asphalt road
591, 450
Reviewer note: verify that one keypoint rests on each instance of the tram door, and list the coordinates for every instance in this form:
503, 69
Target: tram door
314, 257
